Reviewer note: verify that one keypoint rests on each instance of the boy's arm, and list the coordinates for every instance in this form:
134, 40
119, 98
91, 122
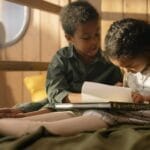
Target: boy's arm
31, 106
57, 86
23, 109
38, 112
16, 113
8, 112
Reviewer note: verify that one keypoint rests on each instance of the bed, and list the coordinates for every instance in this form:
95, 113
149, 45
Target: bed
124, 137
121, 137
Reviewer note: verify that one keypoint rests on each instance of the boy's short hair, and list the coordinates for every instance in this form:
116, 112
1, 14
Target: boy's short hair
127, 37
78, 12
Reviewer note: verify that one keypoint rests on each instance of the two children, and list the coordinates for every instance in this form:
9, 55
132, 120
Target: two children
80, 61
71, 66
127, 46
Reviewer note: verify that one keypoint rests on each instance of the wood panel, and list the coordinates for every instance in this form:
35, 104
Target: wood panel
110, 11
148, 10
31, 47
2, 81
63, 41
38, 44
49, 34
96, 4
13, 79
135, 9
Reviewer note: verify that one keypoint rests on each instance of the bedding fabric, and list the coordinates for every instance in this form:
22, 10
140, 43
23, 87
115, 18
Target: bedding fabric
122, 137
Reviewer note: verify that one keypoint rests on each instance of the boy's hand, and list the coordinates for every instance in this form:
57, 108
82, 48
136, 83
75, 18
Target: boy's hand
9, 112
137, 97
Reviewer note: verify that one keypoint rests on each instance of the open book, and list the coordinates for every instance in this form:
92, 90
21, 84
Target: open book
97, 92
102, 106
102, 96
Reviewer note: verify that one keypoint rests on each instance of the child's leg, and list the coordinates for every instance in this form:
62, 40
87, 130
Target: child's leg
75, 125
52, 116
64, 127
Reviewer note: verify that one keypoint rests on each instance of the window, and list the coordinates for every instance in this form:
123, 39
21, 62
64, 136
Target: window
14, 20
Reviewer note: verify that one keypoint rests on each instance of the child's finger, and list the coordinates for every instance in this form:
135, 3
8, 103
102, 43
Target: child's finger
119, 84
137, 98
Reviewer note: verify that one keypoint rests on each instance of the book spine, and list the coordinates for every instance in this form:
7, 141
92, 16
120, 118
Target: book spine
129, 106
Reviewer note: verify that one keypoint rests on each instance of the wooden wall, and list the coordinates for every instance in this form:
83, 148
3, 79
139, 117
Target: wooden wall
44, 37
112, 10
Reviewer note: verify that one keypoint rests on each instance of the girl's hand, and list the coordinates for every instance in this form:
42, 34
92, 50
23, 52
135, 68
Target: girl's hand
119, 84
137, 97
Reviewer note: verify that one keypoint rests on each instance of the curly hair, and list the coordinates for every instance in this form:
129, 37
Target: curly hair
75, 13
127, 37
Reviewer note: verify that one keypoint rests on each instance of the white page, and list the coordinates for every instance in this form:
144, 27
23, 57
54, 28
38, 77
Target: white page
97, 92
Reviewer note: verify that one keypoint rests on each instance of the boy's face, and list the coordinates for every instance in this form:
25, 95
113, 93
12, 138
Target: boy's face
133, 65
86, 39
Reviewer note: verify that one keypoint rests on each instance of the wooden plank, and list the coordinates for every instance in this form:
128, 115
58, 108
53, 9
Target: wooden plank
39, 4
135, 9
108, 8
148, 10
96, 4
31, 48
13, 79
50, 41
23, 66
31, 40
3, 89
13, 88
63, 40
2, 81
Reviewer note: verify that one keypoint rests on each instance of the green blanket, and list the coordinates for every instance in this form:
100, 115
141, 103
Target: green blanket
123, 137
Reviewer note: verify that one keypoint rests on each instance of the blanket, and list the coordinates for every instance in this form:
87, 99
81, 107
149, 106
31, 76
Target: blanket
122, 137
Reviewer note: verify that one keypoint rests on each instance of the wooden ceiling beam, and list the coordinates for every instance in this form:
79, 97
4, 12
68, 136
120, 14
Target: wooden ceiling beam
39, 4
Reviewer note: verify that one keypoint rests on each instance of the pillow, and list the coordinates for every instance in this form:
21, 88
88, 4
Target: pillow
36, 86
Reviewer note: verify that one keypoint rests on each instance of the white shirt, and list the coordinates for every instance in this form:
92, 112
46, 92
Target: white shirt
139, 82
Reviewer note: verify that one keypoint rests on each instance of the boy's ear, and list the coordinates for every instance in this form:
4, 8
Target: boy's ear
68, 37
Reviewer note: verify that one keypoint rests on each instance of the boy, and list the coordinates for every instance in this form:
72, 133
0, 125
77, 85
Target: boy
80, 61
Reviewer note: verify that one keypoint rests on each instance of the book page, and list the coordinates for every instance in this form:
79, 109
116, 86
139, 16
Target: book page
97, 92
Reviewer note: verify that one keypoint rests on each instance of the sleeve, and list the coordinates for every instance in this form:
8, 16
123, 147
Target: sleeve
117, 75
57, 87
113, 75
32, 106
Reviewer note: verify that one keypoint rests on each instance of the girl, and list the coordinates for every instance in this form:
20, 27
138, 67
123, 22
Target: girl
127, 45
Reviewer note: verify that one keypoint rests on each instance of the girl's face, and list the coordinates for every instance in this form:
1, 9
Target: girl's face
86, 39
131, 65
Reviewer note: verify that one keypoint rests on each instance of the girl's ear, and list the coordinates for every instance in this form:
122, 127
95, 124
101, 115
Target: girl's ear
68, 37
